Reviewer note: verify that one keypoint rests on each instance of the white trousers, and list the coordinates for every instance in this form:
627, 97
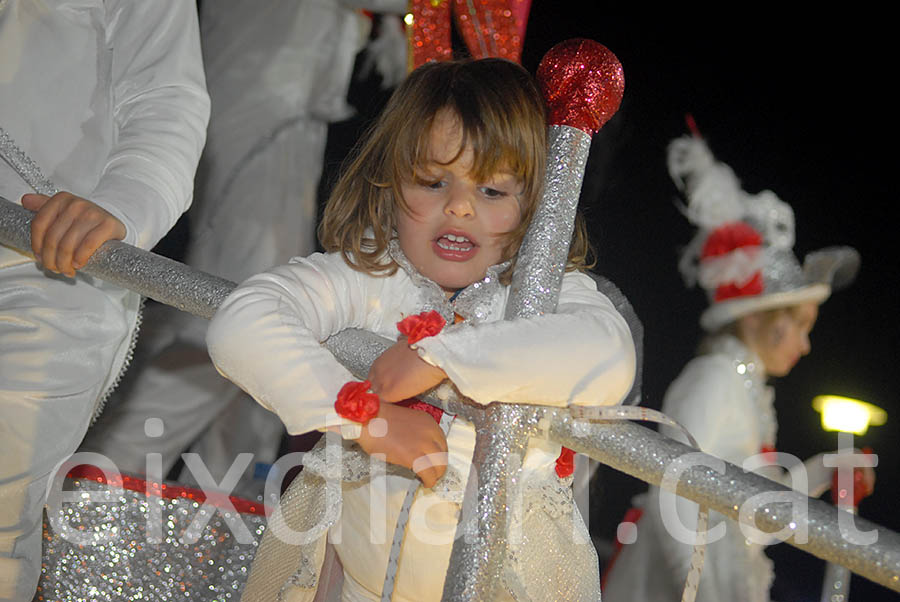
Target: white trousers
175, 384
59, 341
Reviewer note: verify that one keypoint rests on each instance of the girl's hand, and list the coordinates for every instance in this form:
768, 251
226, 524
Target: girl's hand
408, 438
68, 229
399, 373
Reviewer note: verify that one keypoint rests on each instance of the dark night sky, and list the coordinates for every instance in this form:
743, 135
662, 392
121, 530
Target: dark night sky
800, 112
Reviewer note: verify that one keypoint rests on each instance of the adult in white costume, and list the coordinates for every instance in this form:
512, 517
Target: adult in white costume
108, 99
762, 307
278, 74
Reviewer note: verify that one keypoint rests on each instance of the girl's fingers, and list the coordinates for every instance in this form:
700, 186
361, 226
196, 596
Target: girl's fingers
430, 467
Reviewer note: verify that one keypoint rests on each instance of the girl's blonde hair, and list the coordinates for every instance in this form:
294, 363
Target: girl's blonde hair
503, 120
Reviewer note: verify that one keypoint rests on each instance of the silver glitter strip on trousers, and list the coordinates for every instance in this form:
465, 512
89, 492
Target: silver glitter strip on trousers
24, 166
627, 447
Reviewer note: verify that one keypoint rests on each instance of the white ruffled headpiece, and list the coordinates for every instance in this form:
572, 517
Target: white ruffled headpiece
742, 253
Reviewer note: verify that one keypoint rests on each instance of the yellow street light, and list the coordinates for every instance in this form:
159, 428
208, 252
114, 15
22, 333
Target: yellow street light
848, 415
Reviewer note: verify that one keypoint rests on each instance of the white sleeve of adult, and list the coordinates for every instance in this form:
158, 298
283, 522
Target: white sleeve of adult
581, 355
266, 337
161, 109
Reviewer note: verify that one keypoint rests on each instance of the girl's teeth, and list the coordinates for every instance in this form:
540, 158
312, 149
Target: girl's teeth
449, 247
455, 242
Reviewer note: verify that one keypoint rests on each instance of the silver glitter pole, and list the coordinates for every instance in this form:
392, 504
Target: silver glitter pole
625, 446
476, 562
836, 584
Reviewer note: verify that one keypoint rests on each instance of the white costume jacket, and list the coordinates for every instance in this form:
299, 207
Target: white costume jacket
267, 338
722, 399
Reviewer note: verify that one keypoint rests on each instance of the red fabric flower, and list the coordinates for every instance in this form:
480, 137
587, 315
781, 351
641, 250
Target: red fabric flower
565, 463
354, 402
419, 326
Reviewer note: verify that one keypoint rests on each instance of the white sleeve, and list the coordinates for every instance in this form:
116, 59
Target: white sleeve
266, 336
581, 355
161, 110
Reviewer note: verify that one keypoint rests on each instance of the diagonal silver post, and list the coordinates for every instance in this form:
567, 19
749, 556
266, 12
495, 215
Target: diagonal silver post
503, 430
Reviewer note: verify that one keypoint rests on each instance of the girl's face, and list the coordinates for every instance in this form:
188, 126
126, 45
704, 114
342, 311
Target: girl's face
453, 230
784, 338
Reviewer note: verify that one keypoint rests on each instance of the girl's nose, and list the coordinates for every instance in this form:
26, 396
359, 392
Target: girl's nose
459, 204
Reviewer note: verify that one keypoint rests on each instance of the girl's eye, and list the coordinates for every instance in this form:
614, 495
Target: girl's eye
434, 184
492, 193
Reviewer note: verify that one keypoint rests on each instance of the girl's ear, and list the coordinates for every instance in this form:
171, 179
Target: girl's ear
748, 328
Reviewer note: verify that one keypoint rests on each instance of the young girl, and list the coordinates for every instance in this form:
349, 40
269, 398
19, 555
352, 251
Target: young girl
429, 216
763, 306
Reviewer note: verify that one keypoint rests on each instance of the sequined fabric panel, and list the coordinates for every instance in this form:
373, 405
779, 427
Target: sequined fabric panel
105, 551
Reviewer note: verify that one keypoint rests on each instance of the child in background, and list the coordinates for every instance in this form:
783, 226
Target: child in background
429, 216
762, 307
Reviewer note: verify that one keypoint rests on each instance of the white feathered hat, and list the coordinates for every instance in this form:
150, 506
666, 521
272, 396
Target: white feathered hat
742, 253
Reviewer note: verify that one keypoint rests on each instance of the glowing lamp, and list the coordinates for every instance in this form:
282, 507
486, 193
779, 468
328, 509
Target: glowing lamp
848, 415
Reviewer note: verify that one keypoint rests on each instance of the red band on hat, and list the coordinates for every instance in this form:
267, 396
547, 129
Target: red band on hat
730, 291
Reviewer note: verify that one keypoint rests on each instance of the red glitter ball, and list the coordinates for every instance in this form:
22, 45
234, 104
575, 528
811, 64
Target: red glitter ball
583, 84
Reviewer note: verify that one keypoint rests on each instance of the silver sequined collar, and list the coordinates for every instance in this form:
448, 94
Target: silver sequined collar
475, 303
750, 368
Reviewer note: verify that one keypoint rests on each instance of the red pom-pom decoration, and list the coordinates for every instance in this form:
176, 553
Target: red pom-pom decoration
729, 237
565, 463
420, 326
582, 82
355, 402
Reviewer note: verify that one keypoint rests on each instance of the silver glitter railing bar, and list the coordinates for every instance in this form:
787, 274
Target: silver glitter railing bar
624, 446
151, 275
645, 454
